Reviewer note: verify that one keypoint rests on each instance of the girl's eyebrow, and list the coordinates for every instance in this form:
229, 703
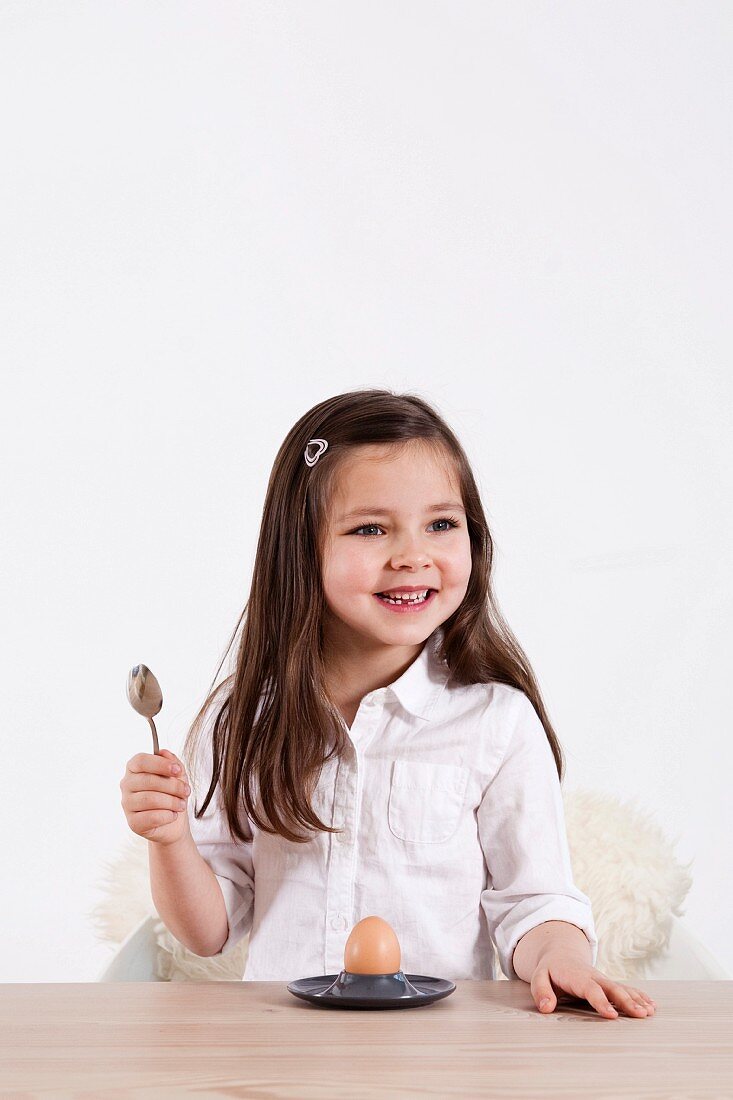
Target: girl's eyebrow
385, 511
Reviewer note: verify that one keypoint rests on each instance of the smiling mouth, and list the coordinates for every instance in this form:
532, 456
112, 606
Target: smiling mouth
411, 601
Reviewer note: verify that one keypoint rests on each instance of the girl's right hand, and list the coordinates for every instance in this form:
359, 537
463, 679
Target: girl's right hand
154, 799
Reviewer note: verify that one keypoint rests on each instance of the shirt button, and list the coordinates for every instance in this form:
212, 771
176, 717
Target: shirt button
339, 923
345, 836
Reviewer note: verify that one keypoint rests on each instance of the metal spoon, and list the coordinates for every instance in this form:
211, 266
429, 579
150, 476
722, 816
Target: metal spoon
145, 696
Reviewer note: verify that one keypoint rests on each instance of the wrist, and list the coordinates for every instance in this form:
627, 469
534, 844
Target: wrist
564, 951
547, 940
178, 844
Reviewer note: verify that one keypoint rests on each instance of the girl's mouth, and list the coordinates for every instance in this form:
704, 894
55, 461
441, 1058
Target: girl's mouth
406, 606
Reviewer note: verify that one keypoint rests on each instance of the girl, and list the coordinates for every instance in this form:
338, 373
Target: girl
381, 747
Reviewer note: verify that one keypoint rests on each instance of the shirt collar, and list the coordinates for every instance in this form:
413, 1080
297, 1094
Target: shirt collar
419, 687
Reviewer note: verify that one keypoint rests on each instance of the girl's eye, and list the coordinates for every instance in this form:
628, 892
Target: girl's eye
451, 521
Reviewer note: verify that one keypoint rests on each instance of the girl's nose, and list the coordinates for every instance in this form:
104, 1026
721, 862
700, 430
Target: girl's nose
410, 555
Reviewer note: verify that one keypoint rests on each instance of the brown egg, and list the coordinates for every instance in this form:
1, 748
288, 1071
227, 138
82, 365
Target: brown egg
372, 948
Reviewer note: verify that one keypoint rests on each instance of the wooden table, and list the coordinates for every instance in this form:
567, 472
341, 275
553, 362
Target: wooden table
254, 1039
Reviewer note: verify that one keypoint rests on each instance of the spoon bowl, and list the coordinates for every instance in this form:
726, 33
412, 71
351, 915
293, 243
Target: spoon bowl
145, 697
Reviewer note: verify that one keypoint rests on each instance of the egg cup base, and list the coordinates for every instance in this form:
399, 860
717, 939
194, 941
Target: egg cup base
385, 987
346, 990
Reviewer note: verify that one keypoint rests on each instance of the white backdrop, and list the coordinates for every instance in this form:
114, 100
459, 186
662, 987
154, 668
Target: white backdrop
213, 216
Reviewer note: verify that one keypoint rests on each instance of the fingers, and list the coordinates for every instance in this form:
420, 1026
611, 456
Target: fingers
150, 775
641, 998
155, 800
146, 764
149, 763
144, 823
626, 1000
629, 1000
598, 999
608, 1000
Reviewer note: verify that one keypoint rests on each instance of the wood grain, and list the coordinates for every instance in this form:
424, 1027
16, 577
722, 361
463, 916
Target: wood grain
255, 1040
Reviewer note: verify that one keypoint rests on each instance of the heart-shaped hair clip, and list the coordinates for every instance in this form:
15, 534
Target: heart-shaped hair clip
321, 446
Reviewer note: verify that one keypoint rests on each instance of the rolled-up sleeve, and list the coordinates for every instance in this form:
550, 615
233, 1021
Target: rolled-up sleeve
230, 860
521, 823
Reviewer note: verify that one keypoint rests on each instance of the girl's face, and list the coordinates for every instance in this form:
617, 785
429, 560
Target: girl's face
410, 531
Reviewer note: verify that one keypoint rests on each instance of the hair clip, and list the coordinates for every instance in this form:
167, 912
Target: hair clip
321, 444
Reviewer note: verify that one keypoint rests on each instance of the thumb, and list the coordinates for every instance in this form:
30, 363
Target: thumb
542, 991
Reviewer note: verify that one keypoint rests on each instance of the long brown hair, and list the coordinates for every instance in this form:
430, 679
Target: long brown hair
274, 722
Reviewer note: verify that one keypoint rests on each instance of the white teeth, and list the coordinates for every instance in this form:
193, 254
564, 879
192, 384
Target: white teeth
416, 597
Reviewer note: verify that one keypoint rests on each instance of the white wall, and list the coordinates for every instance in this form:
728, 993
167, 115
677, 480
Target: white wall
215, 215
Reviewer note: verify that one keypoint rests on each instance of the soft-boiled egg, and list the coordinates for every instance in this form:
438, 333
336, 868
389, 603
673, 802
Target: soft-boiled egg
372, 948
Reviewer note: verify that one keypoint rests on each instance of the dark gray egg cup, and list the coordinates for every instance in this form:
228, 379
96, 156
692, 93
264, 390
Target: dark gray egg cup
347, 990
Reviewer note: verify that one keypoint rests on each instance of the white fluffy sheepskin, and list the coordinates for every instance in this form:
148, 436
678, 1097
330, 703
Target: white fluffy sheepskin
621, 860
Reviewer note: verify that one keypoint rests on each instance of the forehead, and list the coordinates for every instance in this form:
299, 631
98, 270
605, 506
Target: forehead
375, 473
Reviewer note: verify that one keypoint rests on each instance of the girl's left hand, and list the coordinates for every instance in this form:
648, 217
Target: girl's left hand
561, 972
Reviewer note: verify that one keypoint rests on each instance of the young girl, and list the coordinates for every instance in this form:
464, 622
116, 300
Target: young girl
381, 747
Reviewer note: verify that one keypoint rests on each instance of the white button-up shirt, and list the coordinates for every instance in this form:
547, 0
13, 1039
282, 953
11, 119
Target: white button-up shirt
452, 830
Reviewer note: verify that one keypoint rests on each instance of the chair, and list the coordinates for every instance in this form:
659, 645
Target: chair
621, 860
136, 958
686, 959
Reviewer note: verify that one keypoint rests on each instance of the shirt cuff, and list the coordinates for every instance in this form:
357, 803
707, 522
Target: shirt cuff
239, 914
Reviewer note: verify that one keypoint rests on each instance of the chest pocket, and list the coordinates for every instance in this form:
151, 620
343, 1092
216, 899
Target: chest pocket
425, 800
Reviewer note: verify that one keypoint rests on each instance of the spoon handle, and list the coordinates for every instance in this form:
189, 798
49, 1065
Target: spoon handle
156, 749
